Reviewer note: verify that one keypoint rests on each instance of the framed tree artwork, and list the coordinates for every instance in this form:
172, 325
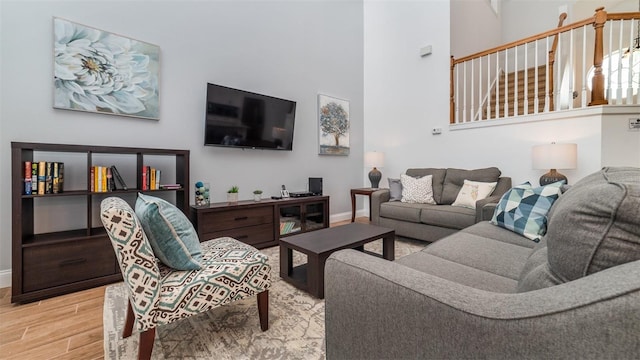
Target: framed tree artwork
98, 71
334, 125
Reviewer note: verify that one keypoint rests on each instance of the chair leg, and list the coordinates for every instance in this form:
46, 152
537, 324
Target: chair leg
263, 310
128, 322
146, 344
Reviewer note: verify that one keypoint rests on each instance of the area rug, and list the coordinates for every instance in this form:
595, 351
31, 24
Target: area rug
296, 323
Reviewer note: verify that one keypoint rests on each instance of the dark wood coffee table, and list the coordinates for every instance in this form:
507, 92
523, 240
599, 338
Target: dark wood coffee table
319, 244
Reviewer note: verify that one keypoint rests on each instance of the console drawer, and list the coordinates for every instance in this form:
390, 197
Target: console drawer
51, 265
251, 235
215, 221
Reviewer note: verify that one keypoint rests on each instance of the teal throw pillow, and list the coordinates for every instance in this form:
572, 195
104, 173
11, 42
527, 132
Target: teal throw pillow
523, 209
173, 239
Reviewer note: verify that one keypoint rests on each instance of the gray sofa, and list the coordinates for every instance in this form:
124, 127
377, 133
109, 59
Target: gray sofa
486, 292
431, 222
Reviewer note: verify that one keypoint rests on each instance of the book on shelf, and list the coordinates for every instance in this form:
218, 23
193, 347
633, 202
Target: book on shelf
92, 179
157, 183
170, 186
110, 184
145, 185
55, 187
41, 177
61, 177
152, 179
34, 177
48, 188
118, 179
27, 178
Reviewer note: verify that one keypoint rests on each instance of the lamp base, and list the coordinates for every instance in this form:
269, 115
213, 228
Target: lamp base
374, 176
552, 176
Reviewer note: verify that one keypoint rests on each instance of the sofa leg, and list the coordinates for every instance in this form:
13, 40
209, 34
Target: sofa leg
263, 310
128, 321
146, 344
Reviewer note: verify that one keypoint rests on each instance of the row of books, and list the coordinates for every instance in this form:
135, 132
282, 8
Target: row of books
289, 226
150, 178
105, 179
43, 177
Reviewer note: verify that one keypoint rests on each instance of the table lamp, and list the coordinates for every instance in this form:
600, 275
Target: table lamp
374, 159
554, 156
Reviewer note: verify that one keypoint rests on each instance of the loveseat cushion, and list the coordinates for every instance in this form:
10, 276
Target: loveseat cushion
402, 211
437, 179
595, 224
454, 179
592, 227
448, 216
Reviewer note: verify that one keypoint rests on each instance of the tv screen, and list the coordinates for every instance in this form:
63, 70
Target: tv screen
238, 118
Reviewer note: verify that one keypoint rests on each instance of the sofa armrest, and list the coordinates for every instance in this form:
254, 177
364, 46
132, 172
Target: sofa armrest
377, 198
381, 309
482, 211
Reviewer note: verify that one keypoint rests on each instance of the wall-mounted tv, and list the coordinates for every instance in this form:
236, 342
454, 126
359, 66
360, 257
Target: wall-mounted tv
238, 118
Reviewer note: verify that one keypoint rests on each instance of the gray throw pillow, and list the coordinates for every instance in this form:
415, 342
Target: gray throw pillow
395, 189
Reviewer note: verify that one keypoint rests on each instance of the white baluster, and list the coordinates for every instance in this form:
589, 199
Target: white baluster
608, 91
515, 81
619, 89
464, 93
629, 96
572, 66
584, 67
506, 82
488, 86
473, 79
457, 94
536, 101
525, 106
557, 77
497, 84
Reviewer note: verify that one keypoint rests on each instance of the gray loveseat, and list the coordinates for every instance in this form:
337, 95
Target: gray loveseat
487, 292
431, 222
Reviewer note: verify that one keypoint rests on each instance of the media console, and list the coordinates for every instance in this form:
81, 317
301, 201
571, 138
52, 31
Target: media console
261, 223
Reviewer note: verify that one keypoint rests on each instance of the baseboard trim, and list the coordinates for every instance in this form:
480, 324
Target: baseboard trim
5, 278
347, 215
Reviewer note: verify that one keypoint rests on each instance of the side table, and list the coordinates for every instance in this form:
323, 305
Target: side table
361, 191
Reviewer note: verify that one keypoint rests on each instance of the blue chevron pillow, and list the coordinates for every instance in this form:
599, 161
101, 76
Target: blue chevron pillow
173, 239
523, 209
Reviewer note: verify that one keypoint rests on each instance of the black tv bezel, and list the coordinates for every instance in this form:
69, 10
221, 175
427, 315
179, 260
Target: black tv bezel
295, 104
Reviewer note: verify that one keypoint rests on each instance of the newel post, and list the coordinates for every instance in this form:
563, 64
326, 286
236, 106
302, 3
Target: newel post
597, 83
452, 114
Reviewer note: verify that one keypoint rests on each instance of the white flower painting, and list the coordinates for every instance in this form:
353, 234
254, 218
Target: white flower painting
102, 72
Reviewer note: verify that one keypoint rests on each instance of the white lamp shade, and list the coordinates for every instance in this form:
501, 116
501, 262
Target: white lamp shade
374, 159
555, 156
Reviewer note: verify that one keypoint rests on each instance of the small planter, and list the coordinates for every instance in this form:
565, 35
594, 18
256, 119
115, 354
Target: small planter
257, 197
232, 198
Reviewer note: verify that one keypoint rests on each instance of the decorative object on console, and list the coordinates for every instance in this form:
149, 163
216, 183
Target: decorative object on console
333, 118
257, 195
232, 195
374, 159
554, 156
202, 193
102, 72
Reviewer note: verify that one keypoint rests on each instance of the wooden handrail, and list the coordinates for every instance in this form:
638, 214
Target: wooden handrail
529, 39
623, 16
552, 60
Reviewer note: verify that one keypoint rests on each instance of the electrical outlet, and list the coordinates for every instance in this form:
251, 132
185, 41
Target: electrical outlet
634, 124
436, 131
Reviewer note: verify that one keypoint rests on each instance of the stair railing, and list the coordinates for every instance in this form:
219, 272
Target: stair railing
554, 66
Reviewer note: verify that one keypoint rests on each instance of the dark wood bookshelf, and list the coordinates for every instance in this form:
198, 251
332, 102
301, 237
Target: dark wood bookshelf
47, 264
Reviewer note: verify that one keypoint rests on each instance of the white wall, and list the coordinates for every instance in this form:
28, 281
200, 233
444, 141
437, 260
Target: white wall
474, 27
292, 49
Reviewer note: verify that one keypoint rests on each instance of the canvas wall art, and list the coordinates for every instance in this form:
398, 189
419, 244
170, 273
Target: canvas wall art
97, 71
334, 122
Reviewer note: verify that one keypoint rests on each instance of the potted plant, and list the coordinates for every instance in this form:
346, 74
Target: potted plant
257, 195
232, 194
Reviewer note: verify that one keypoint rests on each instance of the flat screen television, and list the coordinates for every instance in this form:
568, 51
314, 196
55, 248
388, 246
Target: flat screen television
238, 118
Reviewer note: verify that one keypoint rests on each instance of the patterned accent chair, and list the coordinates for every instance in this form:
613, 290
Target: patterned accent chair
160, 295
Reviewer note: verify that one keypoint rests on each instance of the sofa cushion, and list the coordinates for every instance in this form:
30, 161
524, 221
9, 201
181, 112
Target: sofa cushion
402, 211
454, 179
437, 179
459, 273
473, 191
417, 190
448, 216
488, 230
486, 254
594, 225
523, 209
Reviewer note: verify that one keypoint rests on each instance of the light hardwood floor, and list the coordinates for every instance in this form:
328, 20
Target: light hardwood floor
63, 327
